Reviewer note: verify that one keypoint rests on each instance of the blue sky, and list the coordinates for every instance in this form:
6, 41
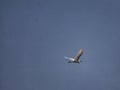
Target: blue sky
36, 34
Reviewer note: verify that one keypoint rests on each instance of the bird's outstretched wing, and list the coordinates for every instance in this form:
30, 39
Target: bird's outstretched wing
78, 55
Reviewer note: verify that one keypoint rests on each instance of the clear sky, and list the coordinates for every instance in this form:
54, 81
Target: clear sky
35, 35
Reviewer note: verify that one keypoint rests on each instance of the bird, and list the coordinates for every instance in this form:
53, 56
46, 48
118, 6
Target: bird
76, 59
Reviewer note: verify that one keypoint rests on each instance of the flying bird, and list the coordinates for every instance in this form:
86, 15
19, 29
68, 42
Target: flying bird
76, 58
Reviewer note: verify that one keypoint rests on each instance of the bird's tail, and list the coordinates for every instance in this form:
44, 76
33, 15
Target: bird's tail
66, 57
70, 59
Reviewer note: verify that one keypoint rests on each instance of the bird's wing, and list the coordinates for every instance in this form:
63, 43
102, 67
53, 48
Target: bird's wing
78, 55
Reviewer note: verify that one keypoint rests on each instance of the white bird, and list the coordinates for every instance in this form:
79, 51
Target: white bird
76, 58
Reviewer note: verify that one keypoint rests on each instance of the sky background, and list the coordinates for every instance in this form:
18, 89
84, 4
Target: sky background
35, 35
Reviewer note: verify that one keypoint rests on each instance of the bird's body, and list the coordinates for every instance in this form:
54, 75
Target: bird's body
76, 58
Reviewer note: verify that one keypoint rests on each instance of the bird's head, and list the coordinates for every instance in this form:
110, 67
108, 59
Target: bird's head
80, 61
